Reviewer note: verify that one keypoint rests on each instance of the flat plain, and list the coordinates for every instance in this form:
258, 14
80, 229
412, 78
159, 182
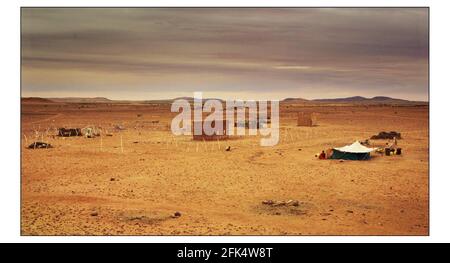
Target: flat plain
134, 180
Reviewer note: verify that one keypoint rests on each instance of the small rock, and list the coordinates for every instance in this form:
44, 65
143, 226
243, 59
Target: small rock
94, 213
292, 202
268, 202
176, 214
112, 179
280, 203
228, 149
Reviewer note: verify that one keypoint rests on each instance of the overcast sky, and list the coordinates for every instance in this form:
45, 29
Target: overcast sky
227, 53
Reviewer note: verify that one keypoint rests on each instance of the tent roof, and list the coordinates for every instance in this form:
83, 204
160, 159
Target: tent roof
355, 147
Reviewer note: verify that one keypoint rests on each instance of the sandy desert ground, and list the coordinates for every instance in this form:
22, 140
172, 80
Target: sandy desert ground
96, 187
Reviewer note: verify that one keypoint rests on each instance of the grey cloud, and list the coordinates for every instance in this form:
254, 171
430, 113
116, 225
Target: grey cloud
363, 50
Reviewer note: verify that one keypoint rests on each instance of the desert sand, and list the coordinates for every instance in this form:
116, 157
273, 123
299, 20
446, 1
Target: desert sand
132, 183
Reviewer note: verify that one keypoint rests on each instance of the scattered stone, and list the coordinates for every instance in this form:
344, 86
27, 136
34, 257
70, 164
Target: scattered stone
228, 149
112, 179
350, 211
281, 203
176, 214
94, 213
387, 135
292, 202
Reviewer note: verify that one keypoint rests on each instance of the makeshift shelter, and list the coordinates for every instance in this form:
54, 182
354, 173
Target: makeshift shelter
63, 132
355, 151
248, 124
90, 132
307, 119
216, 136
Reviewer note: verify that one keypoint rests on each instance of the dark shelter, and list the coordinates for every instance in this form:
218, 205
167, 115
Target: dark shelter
63, 132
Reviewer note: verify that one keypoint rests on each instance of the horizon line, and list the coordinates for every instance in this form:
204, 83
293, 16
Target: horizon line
189, 97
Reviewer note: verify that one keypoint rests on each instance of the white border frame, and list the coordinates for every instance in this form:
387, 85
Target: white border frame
439, 127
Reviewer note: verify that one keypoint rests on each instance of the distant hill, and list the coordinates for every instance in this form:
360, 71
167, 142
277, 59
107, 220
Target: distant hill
82, 100
191, 99
355, 100
36, 100
349, 100
295, 100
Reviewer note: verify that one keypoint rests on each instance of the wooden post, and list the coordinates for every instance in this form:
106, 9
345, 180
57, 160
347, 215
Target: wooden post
121, 143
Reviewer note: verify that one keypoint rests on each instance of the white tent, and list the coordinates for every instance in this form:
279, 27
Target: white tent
355, 147
355, 151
